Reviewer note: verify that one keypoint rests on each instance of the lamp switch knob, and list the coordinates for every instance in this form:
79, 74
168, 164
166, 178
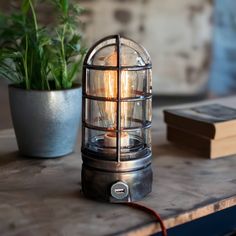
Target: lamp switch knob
119, 190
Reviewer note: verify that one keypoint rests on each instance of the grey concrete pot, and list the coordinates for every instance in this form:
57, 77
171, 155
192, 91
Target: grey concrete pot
46, 122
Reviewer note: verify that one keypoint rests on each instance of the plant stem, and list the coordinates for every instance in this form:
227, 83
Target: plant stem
34, 17
25, 60
64, 72
43, 72
47, 83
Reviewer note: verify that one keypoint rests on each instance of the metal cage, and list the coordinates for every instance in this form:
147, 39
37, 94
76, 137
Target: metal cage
116, 121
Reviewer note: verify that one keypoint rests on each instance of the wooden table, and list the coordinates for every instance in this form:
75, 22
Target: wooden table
43, 197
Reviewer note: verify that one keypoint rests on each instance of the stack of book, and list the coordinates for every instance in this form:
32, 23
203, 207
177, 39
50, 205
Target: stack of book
211, 129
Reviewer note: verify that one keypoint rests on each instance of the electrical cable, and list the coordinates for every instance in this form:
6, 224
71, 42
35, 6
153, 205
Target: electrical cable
150, 212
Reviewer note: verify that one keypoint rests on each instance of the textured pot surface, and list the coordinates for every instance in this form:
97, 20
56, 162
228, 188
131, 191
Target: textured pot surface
46, 122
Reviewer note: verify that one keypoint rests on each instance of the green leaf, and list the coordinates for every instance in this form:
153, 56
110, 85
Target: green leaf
37, 57
73, 71
25, 6
64, 6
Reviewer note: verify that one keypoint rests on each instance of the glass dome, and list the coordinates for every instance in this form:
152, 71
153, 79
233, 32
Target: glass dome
117, 89
131, 54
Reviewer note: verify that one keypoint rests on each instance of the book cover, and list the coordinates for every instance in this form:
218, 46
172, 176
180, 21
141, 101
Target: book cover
212, 121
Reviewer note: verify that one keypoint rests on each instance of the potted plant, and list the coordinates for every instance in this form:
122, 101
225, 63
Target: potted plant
43, 63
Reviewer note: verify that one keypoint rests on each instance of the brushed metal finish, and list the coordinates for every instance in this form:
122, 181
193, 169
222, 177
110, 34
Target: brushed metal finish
107, 165
46, 122
97, 184
97, 180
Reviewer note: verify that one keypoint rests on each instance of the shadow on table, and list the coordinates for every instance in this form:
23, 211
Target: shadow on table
175, 150
8, 158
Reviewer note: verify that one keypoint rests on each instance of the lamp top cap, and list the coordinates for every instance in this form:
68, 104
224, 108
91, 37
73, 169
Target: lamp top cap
122, 47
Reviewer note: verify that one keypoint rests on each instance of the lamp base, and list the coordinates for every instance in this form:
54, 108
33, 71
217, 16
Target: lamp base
127, 186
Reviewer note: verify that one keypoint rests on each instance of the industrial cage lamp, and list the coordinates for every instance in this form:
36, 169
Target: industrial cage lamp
116, 121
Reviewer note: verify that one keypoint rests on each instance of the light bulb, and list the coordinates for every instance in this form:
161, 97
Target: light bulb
105, 85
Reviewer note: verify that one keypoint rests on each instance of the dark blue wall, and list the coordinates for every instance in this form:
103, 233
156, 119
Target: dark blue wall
223, 72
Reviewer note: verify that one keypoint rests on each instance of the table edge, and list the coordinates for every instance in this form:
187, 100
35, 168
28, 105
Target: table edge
185, 217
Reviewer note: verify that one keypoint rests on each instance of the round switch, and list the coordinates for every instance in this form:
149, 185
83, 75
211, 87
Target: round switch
119, 190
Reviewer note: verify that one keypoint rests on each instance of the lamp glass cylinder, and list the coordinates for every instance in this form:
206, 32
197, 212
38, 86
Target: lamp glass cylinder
117, 113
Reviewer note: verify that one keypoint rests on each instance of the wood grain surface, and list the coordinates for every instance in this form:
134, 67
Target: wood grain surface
43, 197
